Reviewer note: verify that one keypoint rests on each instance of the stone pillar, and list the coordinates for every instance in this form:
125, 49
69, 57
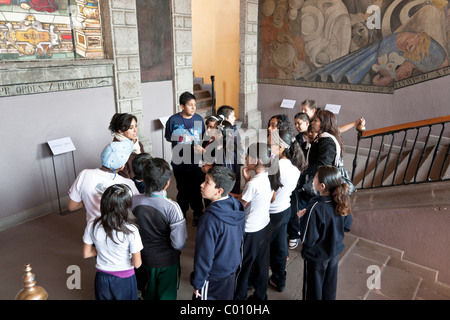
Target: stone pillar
120, 21
248, 90
183, 77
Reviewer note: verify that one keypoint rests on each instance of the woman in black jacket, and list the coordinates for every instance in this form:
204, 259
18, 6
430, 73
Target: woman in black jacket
324, 151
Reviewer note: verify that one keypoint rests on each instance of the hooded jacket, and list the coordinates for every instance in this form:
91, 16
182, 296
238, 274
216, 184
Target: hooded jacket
218, 243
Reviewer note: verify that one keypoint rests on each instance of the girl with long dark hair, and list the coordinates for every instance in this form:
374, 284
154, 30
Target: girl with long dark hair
113, 238
322, 228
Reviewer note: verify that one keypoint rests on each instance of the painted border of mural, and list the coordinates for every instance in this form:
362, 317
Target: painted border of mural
357, 45
361, 88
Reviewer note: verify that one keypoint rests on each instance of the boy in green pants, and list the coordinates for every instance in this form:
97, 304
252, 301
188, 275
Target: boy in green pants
162, 227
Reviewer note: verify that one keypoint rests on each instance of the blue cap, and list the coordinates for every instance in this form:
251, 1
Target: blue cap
116, 154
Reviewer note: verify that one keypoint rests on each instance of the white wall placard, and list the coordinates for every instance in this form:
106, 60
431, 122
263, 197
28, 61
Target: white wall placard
286, 103
163, 120
60, 146
335, 108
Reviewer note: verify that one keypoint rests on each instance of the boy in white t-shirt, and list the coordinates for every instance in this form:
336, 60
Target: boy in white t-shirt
256, 197
90, 184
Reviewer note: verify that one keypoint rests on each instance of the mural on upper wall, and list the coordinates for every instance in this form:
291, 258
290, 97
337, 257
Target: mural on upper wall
41, 29
363, 45
155, 40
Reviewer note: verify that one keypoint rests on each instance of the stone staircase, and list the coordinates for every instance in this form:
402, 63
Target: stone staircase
203, 97
363, 260
358, 263
400, 279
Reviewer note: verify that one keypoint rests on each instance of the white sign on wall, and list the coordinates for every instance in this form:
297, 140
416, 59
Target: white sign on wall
335, 108
60, 146
287, 103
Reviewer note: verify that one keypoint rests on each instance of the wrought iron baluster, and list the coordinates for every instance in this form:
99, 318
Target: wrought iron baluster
409, 173
422, 154
410, 155
400, 154
436, 151
367, 163
378, 161
388, 157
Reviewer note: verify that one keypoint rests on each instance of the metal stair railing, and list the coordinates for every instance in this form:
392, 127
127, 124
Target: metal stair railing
403, 151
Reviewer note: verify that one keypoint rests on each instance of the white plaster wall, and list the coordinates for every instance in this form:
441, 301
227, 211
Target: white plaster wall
27, 178
157, 102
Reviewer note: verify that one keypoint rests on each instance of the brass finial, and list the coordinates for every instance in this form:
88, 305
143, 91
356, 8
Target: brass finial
30, 290
361, 128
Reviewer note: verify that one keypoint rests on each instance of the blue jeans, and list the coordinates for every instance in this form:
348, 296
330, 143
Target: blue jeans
110, 287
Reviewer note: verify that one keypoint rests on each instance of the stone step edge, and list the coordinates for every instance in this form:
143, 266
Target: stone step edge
437, 286
429, 275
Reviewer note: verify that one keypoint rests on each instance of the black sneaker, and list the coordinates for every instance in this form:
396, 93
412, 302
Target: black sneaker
275, 286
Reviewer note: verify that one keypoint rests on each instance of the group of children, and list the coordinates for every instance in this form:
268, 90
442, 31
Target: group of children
137, 235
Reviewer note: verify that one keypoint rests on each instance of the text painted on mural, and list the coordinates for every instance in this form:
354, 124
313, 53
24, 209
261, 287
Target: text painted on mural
43, 87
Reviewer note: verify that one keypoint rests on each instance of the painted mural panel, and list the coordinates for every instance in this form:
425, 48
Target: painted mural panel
369, 45
41, 29
155, 40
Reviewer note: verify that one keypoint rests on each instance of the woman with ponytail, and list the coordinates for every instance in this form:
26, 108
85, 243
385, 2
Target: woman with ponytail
322, 228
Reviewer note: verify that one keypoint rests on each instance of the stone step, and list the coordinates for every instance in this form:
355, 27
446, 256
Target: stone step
395, 284
197, 87
202, 94
353, 272
203, 103
430, 290
399, 279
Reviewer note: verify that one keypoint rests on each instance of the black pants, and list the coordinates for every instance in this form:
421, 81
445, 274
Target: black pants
299, 201
320, 279
278, 246
188, 186
255, 261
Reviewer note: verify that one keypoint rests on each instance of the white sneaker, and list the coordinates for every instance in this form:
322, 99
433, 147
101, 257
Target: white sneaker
293, 243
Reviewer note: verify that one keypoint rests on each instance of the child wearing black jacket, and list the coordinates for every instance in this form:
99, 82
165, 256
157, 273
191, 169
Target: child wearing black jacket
322, 227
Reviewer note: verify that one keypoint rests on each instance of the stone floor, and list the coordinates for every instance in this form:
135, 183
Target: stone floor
52, 245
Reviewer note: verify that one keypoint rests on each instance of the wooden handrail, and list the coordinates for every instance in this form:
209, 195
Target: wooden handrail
405, 126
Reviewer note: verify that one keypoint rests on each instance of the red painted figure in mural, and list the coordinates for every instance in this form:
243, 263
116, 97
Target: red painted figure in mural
43, 5
38, 5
